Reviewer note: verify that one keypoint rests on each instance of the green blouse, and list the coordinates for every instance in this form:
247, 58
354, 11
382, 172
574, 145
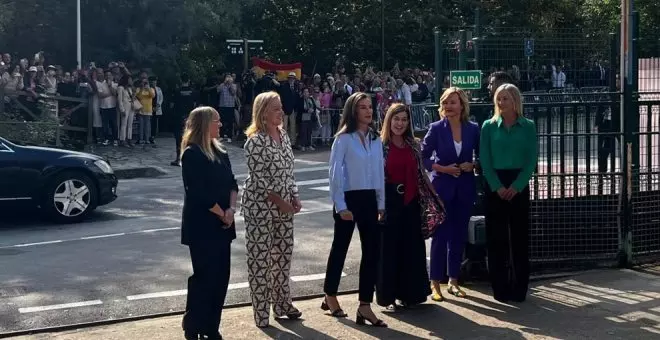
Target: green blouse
503, 148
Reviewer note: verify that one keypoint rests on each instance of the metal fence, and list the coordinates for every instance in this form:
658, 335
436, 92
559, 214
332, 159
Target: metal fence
579, 215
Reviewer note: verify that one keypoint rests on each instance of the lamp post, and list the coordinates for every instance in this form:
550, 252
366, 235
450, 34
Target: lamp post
382, 35
78, 36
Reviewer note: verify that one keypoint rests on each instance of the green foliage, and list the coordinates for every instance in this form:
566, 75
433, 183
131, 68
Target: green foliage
172, 36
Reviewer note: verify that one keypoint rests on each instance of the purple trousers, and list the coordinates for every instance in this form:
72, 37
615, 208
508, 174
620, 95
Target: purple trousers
449, 240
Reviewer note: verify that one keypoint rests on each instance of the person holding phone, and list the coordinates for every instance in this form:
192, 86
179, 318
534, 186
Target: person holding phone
270, 199
357, 189
145, 94
508, 157
207, 223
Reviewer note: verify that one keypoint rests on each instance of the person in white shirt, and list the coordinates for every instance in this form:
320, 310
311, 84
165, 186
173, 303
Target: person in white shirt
107, 92
558, 78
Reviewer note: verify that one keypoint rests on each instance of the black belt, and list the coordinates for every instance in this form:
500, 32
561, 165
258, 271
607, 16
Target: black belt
399, 188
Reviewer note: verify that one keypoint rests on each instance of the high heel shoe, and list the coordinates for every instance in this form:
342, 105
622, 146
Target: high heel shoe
337, 313
190, 335
436, 292
360, 319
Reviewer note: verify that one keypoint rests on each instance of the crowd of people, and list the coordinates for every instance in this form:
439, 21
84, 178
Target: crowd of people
378, 182
118, 98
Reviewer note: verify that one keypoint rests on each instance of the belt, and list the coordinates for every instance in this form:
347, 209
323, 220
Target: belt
400, 188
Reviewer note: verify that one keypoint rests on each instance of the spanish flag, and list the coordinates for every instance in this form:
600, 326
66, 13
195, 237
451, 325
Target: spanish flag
260, 66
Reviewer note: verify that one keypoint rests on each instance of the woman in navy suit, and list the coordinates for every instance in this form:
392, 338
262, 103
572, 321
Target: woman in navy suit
449, 150
207, 223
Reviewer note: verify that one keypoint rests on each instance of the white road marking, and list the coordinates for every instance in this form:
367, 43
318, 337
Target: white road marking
295, 171
157, 295
313, 181
309, 207
101, 236
159, 229
60, 306
232, 286
312, 277
323, 188
38, 243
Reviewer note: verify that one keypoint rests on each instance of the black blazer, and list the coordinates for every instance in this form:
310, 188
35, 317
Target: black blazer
288, 97
206, 183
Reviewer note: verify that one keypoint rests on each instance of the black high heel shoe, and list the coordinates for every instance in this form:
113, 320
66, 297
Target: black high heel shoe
337, 313
360, 319
190, 335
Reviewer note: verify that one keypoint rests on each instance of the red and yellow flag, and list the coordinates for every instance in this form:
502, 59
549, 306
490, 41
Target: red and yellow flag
260, 66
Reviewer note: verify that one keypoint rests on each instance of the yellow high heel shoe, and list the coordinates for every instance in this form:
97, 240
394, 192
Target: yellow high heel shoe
436, 292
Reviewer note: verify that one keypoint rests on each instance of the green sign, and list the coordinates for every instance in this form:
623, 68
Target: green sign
466, 80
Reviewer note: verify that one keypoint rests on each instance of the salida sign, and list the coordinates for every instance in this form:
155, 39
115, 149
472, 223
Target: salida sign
467, 80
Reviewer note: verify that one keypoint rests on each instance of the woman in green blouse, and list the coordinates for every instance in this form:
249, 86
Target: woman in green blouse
508, 158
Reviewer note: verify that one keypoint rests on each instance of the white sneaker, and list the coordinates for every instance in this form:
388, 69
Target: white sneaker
228, 140
311, 148
302, 148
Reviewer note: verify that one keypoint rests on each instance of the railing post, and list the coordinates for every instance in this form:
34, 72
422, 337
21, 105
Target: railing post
462, 50
631, 150
475, 39
614, 52
437, 64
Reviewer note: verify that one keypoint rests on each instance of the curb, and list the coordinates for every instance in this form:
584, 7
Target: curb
142, 172
78, 326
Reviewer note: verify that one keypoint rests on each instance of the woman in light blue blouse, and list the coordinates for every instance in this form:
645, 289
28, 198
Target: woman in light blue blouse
357, 188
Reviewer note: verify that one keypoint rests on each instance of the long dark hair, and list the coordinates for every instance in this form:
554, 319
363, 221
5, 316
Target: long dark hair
349, 119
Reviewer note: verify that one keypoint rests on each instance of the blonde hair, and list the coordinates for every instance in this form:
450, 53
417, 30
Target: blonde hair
261, 102
386, 130
197, 132
462, 97
516, 97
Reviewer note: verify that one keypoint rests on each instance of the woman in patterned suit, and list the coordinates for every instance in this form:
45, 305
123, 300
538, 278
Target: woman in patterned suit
270, 199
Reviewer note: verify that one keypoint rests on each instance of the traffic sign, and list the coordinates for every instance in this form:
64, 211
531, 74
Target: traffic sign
529, 47
466, 80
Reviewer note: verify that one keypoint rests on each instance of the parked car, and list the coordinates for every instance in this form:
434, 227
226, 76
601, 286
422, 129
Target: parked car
65, 185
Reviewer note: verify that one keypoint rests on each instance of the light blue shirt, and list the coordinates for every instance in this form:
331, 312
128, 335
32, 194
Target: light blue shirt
356, 167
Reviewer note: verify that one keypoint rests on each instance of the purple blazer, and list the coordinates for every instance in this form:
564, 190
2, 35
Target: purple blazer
439, 139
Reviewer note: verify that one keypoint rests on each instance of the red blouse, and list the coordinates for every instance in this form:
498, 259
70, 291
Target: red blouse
401, 168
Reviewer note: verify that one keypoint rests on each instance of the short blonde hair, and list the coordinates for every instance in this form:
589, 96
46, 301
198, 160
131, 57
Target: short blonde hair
516, 97
261, 102
462, 97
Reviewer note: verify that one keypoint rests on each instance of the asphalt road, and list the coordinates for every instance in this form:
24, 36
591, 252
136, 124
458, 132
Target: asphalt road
127, 259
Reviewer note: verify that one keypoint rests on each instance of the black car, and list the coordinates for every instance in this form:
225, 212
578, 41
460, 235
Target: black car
65, 185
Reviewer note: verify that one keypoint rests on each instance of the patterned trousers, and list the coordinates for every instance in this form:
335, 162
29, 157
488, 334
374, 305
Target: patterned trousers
269, 250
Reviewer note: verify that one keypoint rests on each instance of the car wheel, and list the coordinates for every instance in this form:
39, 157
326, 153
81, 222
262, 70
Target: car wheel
70, 197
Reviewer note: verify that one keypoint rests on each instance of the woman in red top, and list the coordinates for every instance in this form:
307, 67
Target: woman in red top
402, 271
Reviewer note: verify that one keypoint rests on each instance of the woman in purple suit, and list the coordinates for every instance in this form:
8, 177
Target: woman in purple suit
449, 150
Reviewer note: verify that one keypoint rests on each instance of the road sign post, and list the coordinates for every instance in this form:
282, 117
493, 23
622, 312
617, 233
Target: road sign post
529, 48
466, 80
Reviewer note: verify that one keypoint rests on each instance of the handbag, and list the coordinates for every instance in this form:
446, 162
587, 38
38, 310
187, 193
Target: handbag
433, 213
432, 208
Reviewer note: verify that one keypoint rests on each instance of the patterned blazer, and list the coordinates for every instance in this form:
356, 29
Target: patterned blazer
270, 169
432, 208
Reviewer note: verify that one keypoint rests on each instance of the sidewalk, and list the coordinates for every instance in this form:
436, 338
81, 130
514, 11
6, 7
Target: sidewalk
603, 304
